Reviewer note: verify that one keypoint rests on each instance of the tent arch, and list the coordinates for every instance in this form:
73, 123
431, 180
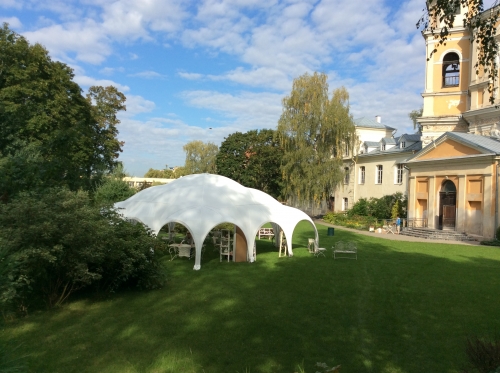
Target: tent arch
201, 201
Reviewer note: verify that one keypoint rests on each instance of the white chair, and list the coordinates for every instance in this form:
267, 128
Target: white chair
318, 250
310, 245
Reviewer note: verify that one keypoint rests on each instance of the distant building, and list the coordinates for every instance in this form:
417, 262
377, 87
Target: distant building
138, 182
377, 167
452, 182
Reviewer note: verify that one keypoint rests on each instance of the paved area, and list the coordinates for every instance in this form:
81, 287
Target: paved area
395, 237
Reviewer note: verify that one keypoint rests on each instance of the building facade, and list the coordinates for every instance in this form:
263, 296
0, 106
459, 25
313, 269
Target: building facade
450, 169
453, 180
377, 167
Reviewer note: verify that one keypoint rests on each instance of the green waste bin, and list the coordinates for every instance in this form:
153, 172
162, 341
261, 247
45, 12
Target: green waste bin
331, 231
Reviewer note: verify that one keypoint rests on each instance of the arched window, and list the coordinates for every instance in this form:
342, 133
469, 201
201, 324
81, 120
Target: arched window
451, 70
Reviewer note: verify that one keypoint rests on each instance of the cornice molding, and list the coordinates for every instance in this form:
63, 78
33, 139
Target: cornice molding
452, 93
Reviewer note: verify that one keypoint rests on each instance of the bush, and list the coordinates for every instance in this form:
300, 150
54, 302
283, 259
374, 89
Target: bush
483, 355
113, 189
57, 243
491, 243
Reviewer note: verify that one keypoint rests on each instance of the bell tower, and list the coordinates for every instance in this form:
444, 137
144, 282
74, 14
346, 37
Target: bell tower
446, 81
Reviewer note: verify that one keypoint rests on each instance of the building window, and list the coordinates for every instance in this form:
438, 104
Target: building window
362, 175
345, 204
346, 150
382, 147
403, 145
451, 70
378, 176
399, 174
346, 175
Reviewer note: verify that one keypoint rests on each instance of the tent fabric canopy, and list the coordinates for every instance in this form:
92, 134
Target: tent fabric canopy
202, 201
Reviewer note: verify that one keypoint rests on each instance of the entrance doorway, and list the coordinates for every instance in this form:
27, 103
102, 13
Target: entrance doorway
447, 205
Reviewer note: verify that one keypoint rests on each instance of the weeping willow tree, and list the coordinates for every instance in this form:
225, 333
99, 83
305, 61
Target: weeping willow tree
316, 133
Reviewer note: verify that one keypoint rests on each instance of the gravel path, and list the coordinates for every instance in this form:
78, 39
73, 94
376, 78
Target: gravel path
395, 237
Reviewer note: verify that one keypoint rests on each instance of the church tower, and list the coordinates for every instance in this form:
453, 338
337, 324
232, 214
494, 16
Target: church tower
447, 75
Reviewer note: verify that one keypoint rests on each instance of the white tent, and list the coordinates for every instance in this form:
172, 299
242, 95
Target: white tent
202, 201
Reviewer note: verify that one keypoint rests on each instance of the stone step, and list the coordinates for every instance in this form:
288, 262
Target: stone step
436, 234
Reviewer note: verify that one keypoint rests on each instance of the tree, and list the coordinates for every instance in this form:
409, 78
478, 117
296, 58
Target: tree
253, 159
414, 115
161, 174
315, 132
439, 17
105, 103
50, 134
58, 243
113, 188
200, 157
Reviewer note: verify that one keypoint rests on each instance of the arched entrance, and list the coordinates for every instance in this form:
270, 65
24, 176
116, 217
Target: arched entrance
447, 205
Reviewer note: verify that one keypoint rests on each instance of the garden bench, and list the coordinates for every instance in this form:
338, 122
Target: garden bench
346, 250
266, 232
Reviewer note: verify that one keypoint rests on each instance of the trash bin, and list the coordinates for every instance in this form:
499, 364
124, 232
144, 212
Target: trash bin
331, 231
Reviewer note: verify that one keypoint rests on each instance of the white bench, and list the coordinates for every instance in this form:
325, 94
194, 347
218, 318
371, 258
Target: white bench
346, 250
266, 232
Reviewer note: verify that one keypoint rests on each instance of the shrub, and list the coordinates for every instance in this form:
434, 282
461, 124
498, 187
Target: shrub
483, 355
57, 243
491, 243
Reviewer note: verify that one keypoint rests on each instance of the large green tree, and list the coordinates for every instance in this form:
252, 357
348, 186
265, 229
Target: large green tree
200, 157
316, 132
439, 17
253, 159
50, 134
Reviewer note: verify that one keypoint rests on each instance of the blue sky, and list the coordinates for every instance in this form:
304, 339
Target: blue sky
201, 70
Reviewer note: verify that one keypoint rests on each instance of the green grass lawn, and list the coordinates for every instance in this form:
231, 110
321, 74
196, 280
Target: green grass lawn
401, 307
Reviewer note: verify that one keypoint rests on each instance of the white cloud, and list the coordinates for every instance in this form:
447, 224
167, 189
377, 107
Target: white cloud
16, 4
14, 22
111, 70
190, 76
83, 41
138, 104
87, 81
148, 75
244, 111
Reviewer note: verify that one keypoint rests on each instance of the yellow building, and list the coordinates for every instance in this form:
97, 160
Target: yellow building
453, 180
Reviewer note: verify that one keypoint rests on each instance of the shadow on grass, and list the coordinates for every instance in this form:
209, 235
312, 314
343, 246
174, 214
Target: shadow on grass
401, 307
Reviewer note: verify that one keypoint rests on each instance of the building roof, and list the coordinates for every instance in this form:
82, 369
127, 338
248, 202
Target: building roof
413, 148
370, 123
389, 140
488, 143
410, 137
372, 144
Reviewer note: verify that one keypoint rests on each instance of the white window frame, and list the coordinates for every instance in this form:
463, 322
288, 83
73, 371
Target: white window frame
345, 204
362, 174
398, 173
379, 173
403, 145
